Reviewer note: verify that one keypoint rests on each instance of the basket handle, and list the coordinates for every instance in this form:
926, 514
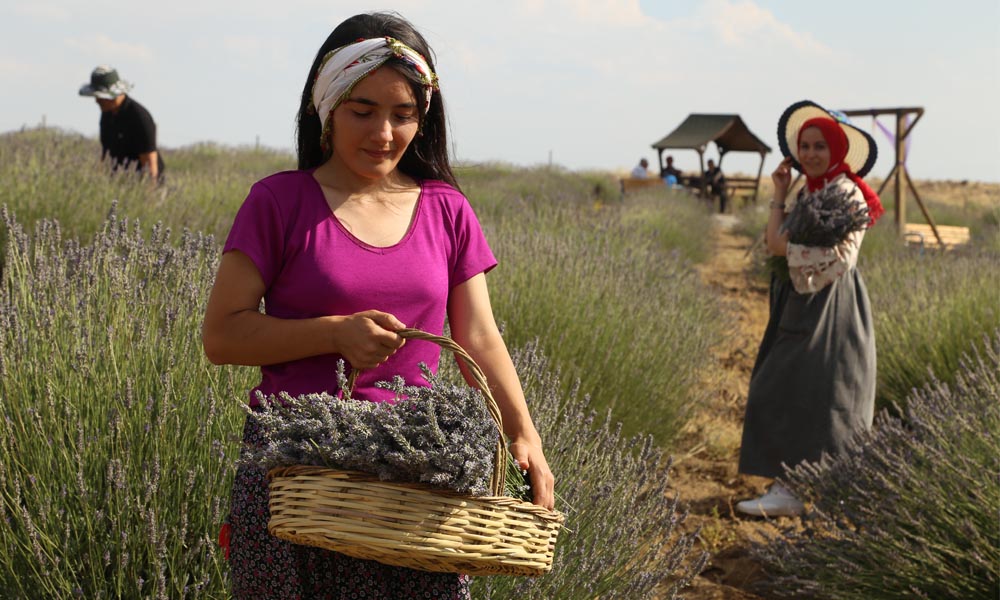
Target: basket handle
497, 480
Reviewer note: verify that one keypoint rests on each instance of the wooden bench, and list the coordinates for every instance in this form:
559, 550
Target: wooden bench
631, 184
744, 187
736, 187
922, 235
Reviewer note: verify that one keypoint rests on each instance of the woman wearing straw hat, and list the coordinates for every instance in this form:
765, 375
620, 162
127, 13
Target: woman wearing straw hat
369, 234
813, 383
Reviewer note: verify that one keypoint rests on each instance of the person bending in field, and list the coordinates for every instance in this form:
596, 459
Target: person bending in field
128, 132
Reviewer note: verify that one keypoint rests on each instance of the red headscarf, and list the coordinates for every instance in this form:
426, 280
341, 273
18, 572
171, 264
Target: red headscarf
836, 140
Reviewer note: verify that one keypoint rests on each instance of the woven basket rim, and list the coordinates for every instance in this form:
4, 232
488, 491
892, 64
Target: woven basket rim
517, 537
506, 501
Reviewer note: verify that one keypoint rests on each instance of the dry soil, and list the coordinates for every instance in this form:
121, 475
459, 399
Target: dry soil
704, 468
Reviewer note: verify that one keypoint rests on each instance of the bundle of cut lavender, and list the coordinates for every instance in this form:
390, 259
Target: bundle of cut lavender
441, 435
823, 218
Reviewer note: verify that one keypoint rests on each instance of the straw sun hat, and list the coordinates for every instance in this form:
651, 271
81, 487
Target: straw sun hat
105, 84
861, 152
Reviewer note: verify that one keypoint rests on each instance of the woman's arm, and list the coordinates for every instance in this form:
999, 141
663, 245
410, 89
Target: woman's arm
235, 332
150, 163
777, 242
473, 327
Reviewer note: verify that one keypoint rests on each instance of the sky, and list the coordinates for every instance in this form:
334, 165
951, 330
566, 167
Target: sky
583, 84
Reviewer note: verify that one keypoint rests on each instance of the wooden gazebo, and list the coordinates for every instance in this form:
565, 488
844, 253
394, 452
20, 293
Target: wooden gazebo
729, 133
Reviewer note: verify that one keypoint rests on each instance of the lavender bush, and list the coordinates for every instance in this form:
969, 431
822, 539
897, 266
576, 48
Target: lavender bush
115, 441
825, 217
441, 435
55, 175
580, 269
910, 511
927, 308
598, 287
118, 438
622, 538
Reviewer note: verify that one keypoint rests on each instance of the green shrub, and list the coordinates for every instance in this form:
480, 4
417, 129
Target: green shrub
910, 510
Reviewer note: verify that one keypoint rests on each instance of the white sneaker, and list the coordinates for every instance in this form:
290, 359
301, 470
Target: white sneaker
777, 502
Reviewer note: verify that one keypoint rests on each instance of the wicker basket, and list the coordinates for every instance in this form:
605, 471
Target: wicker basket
414, 525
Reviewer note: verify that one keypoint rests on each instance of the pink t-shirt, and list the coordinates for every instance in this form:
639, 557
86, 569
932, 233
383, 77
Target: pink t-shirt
312, 266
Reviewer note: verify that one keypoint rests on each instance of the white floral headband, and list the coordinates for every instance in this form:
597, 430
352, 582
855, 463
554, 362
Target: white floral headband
342, 68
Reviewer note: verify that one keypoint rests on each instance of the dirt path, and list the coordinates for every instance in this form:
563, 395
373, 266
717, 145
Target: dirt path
705, 463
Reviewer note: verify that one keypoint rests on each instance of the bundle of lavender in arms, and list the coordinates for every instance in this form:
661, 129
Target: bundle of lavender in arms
441, 435
824, 218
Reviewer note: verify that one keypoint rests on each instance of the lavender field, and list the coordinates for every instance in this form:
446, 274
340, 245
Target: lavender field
118, 439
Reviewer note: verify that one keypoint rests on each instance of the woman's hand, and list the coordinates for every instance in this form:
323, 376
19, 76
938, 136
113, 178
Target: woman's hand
782, 178
532, 460
367, 339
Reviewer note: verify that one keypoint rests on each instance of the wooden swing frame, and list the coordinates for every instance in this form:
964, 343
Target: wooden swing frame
899, 175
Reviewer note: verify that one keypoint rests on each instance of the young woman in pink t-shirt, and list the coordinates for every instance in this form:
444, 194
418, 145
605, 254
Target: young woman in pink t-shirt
371, 234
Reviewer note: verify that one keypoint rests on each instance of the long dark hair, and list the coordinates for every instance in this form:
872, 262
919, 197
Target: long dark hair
427, 156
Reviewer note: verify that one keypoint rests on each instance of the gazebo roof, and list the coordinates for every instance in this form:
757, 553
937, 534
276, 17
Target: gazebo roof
729, 132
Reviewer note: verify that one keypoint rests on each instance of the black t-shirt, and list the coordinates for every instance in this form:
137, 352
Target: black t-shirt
127, 134
716, 179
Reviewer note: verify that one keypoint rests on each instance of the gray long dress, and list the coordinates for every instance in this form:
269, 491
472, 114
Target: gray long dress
813, 384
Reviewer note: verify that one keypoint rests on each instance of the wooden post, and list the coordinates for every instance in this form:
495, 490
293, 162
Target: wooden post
899, 177
923, 209
887, 179
899, 186
701, 172
760, 171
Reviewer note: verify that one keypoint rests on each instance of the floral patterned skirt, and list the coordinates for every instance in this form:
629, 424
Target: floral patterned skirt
264, 567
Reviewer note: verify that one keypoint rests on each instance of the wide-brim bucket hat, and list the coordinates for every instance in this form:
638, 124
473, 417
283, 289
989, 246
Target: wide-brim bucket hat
861, 150
105, 84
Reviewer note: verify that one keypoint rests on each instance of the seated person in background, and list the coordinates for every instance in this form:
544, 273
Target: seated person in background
670, 174
716, 183
128, 132
640, 172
